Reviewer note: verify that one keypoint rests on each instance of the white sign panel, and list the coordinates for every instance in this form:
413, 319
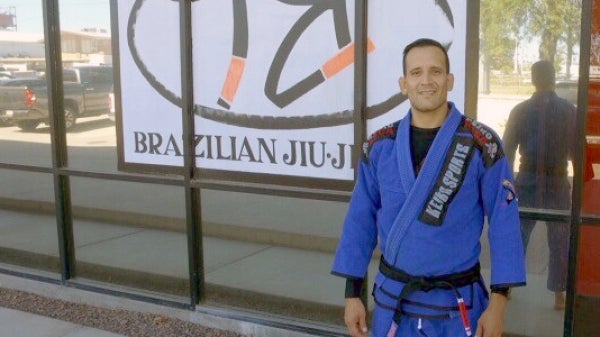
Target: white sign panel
273, 80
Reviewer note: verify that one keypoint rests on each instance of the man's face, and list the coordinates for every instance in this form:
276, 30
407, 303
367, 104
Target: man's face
427, 80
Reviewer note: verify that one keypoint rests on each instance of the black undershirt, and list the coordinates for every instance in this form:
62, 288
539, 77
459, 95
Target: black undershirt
420, 142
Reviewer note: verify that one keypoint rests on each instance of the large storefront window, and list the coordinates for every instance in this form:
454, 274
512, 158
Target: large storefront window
274, 122
23, 105
89, 107
587, 288
273, 254
28, 234
528, 95
131, 234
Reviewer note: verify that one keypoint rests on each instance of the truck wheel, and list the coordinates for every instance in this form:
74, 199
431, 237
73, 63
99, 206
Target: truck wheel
28, 125
70, 118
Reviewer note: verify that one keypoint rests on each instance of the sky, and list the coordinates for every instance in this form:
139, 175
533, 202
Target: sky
74, 14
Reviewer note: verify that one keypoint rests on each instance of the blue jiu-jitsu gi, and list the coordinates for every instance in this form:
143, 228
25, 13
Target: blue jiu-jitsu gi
430, 225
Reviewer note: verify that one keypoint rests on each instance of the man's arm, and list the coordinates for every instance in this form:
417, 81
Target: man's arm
355, 313
355, 317
510, 138
504, 236
491, 322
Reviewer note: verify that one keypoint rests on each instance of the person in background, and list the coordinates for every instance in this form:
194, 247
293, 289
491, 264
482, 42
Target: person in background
542, 128
424, 186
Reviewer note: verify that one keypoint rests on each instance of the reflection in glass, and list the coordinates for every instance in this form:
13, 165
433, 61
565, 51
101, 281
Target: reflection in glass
542, 147
588, 277
88, 75
28, 235
542, 128
273, 254
22, 87
131, 234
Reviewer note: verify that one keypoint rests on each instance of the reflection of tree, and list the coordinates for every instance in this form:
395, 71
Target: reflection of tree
550, 21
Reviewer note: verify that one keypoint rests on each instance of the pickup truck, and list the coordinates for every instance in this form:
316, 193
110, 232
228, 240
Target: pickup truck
24, 101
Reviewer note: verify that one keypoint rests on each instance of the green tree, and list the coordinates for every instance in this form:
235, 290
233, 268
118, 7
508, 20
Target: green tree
504, 24
573, 31
553, 20
501, 22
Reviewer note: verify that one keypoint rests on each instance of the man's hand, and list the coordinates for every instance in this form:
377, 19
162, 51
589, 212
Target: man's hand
355, 317
491, 322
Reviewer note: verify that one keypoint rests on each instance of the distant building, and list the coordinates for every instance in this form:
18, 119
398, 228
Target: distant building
89, 46
88, 41
21, 45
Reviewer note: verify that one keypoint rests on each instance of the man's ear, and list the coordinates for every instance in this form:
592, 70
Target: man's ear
450, 81
402, 85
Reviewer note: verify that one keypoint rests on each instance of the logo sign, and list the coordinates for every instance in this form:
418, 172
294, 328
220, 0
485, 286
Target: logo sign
273, 80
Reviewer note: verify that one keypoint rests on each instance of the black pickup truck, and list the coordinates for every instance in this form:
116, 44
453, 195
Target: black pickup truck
24, 101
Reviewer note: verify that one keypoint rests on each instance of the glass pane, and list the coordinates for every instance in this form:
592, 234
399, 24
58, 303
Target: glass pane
533, 310
24, 133
588, 277
28, 233
131, 234
267, 253
528, 91
88, 76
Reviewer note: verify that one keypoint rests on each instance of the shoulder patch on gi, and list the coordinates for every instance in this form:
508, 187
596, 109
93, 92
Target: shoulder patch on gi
387, 132
510, 190
486, 141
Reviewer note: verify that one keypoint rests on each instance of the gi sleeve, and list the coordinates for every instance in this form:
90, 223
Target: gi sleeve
504, 233
359, 233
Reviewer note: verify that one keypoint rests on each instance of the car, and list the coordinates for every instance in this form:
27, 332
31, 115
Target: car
85, 91
22, 81
5, 73
567, 89
5, 119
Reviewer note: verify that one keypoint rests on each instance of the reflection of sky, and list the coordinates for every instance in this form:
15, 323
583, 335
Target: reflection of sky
74, 14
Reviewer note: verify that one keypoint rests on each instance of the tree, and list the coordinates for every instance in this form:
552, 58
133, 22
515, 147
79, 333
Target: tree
501, 22
573, 32
504, 24
553, 20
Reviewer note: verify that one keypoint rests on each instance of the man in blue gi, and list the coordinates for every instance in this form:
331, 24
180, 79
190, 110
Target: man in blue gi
424, 186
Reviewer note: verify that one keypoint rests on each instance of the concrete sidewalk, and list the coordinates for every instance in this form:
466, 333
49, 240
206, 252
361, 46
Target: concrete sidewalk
17, 323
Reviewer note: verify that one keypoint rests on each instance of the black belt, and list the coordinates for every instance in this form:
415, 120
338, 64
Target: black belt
426, 283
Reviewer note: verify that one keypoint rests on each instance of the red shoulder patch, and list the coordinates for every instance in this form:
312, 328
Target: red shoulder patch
486, 140
387, 132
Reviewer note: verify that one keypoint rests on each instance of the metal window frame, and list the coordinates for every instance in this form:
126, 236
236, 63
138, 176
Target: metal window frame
577, 218
58, 144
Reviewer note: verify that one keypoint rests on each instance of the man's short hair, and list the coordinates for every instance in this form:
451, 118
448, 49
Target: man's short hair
424, 42
543, 74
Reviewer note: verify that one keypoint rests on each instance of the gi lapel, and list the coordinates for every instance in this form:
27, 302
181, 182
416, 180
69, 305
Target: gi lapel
419, 188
